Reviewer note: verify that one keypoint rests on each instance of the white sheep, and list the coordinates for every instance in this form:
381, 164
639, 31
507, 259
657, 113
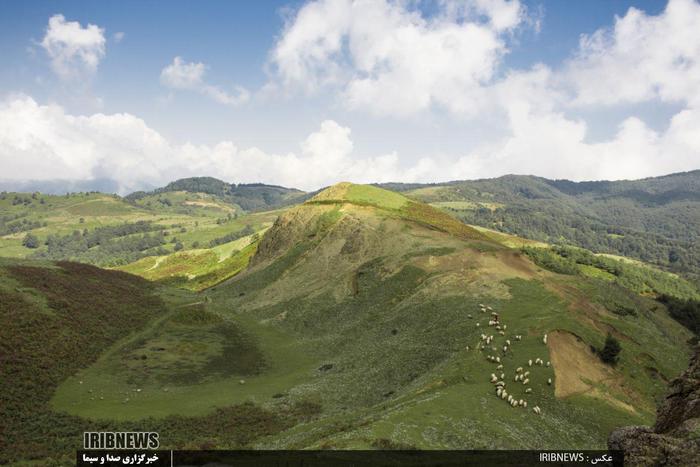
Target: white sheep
508, 342
525, 404
499, 367
519, 369
529, 363
520, 402
548, 364
528, 390
477, 325
527, 380
549, 381
493, 378
526, 374
502, 333
503, 375
504, 394
504, 327
505, 348
537, 410
499, 390
544, 339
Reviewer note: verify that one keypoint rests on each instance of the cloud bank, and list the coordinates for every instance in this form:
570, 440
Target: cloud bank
43, 142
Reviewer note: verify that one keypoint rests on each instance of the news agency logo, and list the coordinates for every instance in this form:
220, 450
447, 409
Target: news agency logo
120, 440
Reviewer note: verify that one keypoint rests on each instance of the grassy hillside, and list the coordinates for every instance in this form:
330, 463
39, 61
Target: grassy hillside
656, 220
160, 345
110, 231
390, 304
359, 319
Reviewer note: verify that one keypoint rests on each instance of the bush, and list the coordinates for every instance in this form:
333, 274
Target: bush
179, 246
30, 241
611, 350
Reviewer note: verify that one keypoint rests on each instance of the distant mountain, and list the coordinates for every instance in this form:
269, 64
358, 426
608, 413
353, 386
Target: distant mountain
60, 187
656, 220
250, 197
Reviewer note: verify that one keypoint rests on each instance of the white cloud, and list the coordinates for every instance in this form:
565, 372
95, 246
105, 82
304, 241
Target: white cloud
642, 57
182, 75
43, 142
391, 59
74, 51
118, 37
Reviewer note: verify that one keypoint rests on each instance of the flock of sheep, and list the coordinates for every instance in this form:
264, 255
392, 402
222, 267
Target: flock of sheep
497, 378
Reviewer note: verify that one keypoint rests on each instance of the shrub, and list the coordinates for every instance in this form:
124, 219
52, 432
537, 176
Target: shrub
30, 241
611, 350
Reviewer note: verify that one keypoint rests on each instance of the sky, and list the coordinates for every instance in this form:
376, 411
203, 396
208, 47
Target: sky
128, 95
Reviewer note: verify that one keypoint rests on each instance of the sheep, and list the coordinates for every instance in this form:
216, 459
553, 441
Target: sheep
508, 342
520, 402
504, 327
526, 374
493, 313
467, 348
548, 364
519, 369
489, 308
505, 348
499, 367
504, 394
498, 327
528, 390
527, 380
537, 410
510, 398
469, 316
516, 378
503, 375
477, 325
525, 404
529, 363
498, 359
499, 390
513, 403
501, 384
549, 381
502, 333
493, 378
544, 339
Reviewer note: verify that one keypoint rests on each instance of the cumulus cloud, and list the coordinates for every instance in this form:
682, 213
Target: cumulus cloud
390, 59
642, 57
44, 142
118, 36
182, 75
74, 51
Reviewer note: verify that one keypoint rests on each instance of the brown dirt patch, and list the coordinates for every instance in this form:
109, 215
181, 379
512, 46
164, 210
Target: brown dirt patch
575, 365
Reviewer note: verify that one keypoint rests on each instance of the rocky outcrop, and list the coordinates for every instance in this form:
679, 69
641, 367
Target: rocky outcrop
675, 438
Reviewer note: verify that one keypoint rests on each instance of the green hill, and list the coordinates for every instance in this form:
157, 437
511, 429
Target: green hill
656, 220
250, 197
360, 319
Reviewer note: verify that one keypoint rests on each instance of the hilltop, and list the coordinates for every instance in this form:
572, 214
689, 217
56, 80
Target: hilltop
250, 197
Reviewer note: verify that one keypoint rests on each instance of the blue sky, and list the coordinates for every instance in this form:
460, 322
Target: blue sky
366, 90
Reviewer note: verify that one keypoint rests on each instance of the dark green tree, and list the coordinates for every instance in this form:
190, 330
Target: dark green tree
611, 350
